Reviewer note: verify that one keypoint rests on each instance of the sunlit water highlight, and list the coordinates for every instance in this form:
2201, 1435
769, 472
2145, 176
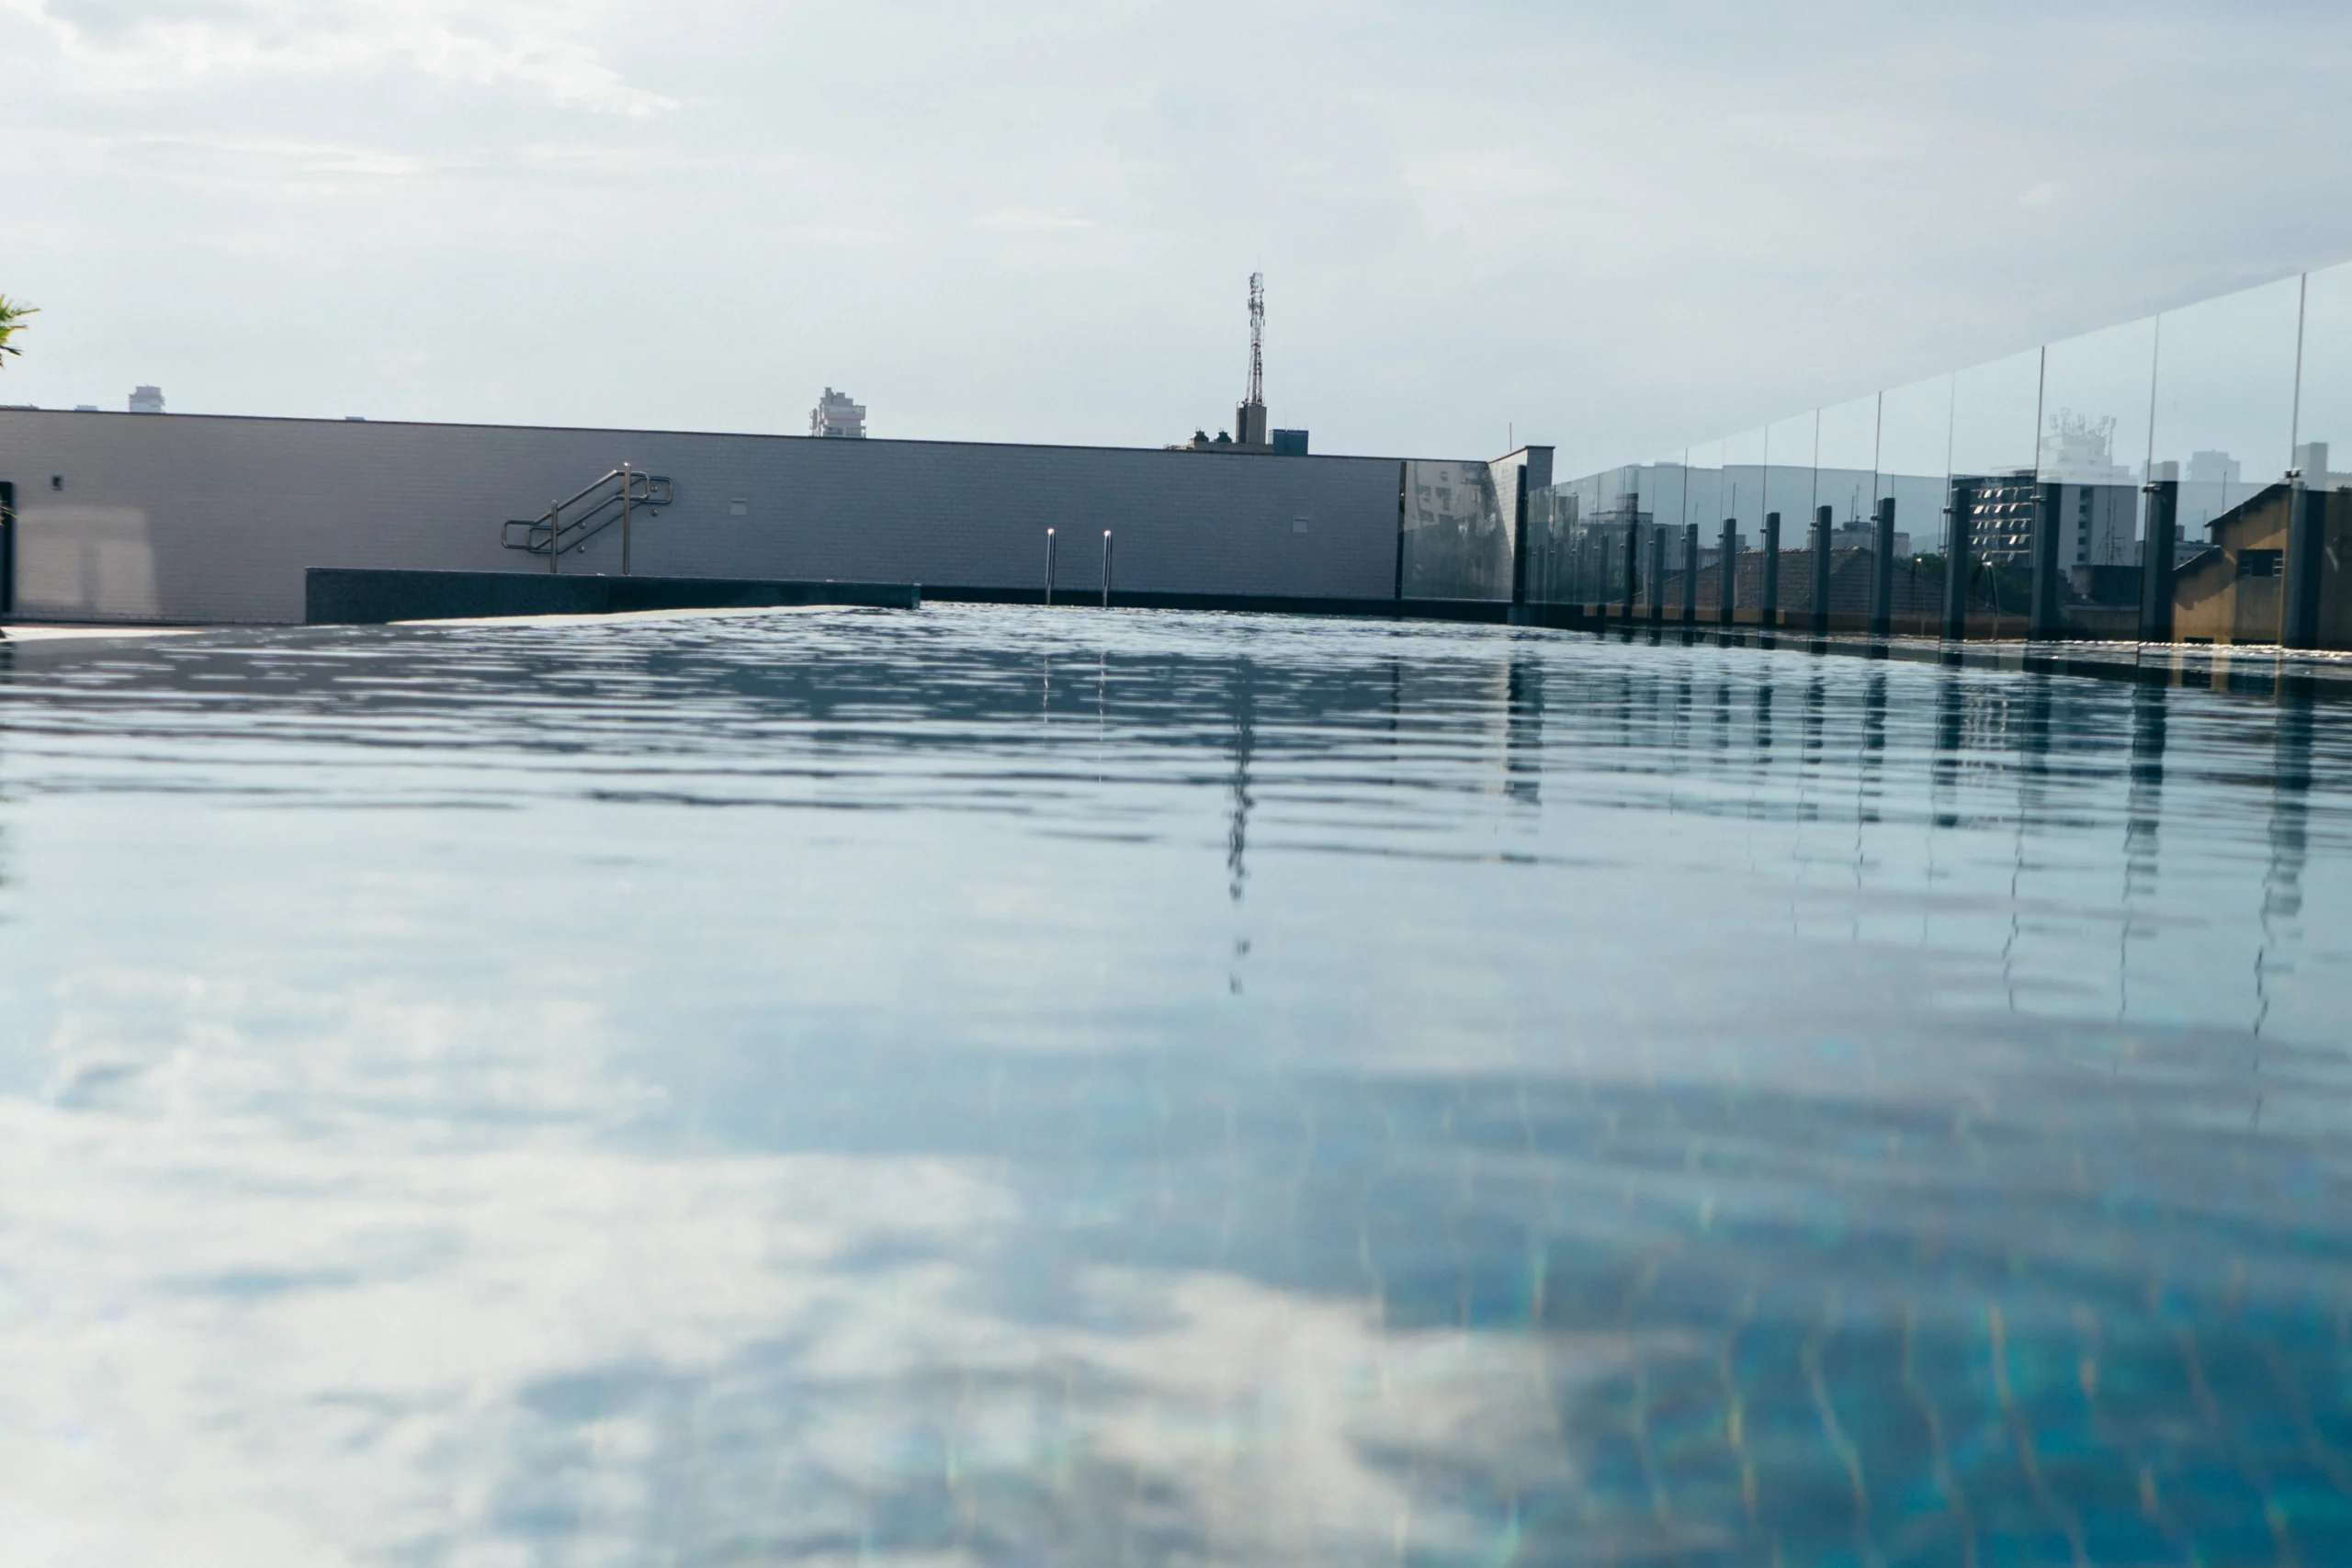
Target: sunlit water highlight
1003, 1087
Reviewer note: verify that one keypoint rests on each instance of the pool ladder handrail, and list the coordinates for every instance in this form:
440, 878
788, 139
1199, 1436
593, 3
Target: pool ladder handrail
569, 523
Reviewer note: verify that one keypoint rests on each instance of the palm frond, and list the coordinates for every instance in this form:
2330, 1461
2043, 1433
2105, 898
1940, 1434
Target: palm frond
12, 321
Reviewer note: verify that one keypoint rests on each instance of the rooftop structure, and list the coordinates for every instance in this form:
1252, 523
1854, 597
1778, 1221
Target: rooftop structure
147, 400
1250, 432
837, 416
108, 527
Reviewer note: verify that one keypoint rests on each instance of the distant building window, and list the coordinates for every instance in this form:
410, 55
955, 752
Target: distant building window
2258, 563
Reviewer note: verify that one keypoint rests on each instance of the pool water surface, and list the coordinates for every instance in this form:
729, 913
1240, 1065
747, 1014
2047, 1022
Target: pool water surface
1074, 1088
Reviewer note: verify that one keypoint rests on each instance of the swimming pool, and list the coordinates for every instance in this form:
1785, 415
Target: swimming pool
1072, 1088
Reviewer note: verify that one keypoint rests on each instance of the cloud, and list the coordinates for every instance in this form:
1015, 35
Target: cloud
1705, 226
280, 156
1020, 221
134, 47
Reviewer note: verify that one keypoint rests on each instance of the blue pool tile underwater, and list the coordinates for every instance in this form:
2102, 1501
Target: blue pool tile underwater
1078, 1087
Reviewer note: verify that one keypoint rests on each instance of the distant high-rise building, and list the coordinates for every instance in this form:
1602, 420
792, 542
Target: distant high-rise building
2215, 467
1862, 535
147, 400
837, 416
2097, 524
2099, 499
2212, 484
2000, 525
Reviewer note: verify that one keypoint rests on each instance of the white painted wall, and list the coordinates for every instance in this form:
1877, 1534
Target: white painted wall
198, 518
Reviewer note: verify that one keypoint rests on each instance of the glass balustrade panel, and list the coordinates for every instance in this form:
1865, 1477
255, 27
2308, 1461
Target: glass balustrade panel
1914, 449
2323, 442
2097, 395
1995, 409
1793, 445
1847, 479
2224, 425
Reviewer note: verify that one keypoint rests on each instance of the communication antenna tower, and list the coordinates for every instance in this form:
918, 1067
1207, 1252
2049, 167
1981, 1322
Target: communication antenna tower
1257, 339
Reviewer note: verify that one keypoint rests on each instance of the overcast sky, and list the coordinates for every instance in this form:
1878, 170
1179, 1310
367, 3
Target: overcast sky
1606, 226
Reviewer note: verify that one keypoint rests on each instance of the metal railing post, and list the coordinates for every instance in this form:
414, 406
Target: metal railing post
1727, 572
1959, 521
1768, 614
1821, 520
624, 519
1049, 565
2306, 550
1657, 573
1691, 574
1106, 569
1883, 570
555, 532
2042, 618
2156, 560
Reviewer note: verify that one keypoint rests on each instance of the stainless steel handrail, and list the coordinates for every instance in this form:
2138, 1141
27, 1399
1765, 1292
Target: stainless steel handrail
553, 533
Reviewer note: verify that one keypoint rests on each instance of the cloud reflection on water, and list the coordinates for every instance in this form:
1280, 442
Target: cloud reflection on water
1229, 1091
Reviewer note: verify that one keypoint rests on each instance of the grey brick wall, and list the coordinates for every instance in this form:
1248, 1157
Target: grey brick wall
194, 518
